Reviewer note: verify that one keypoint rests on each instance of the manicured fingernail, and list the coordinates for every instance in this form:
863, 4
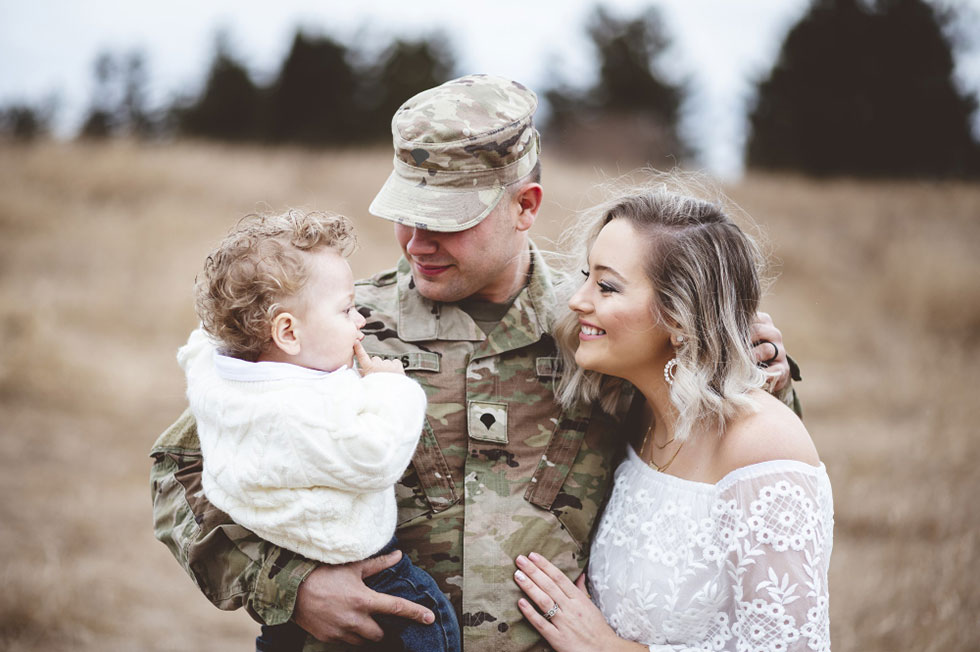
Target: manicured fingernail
521, 559
520, 576
523, 603
535, 556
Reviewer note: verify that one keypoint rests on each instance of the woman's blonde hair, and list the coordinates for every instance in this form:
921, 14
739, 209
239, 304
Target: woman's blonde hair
260, 263
706, 276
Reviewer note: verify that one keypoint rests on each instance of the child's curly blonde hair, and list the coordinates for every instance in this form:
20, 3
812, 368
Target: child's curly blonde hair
260, 263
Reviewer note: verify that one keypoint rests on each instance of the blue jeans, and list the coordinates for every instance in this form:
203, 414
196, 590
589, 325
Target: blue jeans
403, 580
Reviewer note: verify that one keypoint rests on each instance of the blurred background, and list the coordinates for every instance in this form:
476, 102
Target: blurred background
132, 138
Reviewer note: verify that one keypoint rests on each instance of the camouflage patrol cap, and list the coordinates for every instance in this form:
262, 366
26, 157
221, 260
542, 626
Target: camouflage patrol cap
457, 147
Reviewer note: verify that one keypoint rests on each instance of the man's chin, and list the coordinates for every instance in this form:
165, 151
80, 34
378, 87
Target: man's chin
437, 290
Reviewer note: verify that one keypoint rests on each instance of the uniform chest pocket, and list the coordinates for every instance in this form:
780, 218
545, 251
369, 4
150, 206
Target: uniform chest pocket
426, 486
572, 479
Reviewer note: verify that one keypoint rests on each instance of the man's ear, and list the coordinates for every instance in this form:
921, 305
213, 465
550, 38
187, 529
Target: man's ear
284, 333
528, 198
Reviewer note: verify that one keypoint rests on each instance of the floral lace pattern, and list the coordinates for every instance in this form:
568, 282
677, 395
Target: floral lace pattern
740, 565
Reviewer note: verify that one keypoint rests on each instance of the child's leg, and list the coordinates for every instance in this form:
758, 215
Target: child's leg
406, 580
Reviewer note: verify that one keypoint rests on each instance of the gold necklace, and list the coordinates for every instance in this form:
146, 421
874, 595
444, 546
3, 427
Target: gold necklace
653, 465
659, 446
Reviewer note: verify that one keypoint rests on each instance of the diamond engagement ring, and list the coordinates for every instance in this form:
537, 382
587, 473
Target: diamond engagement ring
548, 615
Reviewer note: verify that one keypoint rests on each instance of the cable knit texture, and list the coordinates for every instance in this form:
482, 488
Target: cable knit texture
307, 460
739, 565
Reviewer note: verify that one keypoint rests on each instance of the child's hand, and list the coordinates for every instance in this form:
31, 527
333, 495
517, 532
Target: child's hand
372, 365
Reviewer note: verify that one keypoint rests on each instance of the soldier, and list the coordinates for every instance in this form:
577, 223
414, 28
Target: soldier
500, 469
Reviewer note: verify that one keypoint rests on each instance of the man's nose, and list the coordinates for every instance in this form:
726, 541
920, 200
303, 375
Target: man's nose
421, 243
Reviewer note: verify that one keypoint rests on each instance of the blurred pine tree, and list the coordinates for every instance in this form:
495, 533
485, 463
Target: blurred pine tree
632, 110
865, 88
404, 69
230, 107
313, 100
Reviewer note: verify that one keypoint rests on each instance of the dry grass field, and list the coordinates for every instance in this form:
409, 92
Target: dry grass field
878, 298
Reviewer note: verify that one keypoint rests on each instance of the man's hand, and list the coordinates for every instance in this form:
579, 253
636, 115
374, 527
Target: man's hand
333, 603
769, 351
372, 365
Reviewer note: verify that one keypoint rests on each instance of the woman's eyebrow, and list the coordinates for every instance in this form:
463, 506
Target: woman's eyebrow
607, 268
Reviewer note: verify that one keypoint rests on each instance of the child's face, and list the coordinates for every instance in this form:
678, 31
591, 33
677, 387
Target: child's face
328, 324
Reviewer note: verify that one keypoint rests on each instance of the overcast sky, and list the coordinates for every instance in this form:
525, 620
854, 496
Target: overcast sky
47, 47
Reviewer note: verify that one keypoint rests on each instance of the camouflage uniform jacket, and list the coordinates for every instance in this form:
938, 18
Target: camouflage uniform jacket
500, 469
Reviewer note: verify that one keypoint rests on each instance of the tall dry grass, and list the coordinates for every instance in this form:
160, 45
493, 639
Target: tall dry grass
878, 298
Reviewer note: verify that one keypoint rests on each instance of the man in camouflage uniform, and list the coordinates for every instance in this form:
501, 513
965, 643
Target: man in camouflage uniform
501, 469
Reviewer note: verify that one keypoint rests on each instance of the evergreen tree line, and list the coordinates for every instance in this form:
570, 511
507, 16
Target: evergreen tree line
317, 98
859, 87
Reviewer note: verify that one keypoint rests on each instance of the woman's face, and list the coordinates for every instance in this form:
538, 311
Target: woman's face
618, 332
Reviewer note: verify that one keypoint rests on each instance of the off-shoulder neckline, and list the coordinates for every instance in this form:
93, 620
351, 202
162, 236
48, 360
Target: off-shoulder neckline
742, 473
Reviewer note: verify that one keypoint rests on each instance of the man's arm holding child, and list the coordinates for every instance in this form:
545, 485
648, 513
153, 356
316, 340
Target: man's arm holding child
232, 567
235, 568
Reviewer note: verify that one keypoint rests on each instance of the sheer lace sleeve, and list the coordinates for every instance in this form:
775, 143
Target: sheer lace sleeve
777, 521
741, 565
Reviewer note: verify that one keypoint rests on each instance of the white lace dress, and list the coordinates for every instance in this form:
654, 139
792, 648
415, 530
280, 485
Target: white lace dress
739, 565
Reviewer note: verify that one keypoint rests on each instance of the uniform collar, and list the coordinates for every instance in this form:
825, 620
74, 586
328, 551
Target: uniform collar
529, 317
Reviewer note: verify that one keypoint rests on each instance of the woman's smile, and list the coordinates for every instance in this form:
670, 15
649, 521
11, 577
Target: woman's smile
589, 332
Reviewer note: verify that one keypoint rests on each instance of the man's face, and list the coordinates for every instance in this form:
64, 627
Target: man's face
482, 262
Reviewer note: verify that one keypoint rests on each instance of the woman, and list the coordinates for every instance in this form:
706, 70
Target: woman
718, 531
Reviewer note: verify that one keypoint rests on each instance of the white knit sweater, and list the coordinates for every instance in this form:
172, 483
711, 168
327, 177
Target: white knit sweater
305, 459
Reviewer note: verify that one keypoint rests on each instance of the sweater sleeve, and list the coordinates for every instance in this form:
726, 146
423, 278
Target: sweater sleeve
371, 437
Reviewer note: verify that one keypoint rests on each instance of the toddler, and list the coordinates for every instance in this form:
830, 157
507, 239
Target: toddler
298, 446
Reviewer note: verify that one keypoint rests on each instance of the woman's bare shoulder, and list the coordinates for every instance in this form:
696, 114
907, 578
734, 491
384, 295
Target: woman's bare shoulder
774, 432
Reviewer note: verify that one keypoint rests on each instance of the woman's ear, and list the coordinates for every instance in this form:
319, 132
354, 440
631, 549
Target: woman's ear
285, 334
677, 339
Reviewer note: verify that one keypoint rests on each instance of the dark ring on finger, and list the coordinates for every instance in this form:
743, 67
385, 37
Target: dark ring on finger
775, 352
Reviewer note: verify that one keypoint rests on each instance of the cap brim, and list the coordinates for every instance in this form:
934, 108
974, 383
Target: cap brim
433, 208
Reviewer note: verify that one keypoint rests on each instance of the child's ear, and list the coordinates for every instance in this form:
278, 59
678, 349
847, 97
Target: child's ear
284, 333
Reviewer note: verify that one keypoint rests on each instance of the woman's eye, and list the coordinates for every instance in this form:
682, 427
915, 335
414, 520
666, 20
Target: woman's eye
604, 287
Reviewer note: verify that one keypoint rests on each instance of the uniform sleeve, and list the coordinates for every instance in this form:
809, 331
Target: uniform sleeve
230, 565
788, 394
783, 536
